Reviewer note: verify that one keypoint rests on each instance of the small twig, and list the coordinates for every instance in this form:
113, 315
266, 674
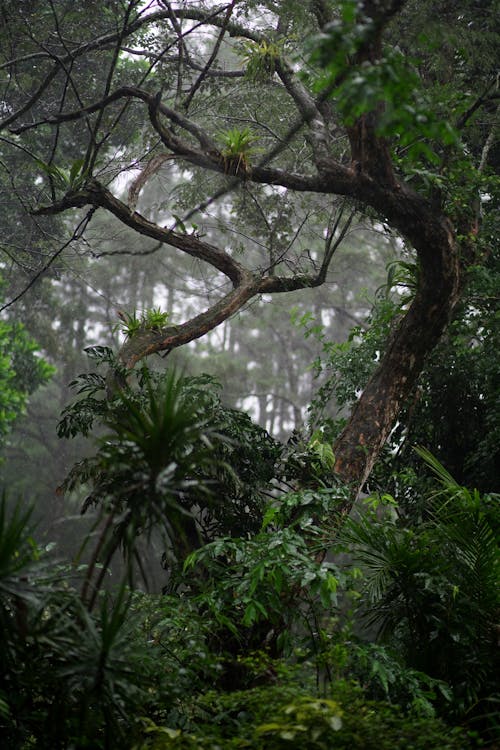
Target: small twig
76, 235
462, 121
196, 85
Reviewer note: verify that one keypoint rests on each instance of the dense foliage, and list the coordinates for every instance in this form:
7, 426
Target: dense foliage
22, 371
259, 640
310, 583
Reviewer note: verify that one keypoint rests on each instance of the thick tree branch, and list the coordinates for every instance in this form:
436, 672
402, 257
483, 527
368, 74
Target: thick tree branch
147, 342
398, 203
246, 284
309, 111
98, 196
125, 92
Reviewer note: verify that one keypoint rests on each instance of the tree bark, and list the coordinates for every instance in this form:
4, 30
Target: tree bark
374, 415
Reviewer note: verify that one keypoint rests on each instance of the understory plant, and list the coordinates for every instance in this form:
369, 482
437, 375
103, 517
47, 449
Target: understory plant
255, 642
68, 677
431, 588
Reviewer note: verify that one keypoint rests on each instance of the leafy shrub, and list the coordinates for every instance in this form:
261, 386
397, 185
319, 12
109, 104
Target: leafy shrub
432, 588
173, 458
251, 648
284, 716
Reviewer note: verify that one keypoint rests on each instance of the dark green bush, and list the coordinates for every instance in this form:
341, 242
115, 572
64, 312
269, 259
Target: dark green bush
251, 648
282, 717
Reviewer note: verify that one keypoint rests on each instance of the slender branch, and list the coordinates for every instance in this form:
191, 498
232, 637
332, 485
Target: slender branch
211, 73
482, 99
196, 85
321, 11
333, 245
100, 43
490, 140
76, 235
151, 168
32, 100
93, 148
106, 40
276, 261
183, 52
233, 29
124, 92
124, 251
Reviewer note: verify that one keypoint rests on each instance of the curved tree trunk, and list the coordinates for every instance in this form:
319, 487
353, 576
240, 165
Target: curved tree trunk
374, 415
369, 180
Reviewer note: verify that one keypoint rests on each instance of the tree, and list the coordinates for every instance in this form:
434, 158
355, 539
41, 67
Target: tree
21, 373
352, 123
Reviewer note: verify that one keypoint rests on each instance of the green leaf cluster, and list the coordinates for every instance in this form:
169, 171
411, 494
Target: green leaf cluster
257, 576
259, 59
22, 371
392, 88
66, 179
432, 587
170, 446
148, 320
237, 149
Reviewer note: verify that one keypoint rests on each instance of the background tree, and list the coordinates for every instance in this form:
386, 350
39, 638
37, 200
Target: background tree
21, 373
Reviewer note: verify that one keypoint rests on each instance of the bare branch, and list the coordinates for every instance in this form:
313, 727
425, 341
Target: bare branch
233, 29
80, 229
151, 168
332, 243
183, 52
93, 149
124, 92
196, 85
490, 141
106, 40
485, 97
32, 100
190, 63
